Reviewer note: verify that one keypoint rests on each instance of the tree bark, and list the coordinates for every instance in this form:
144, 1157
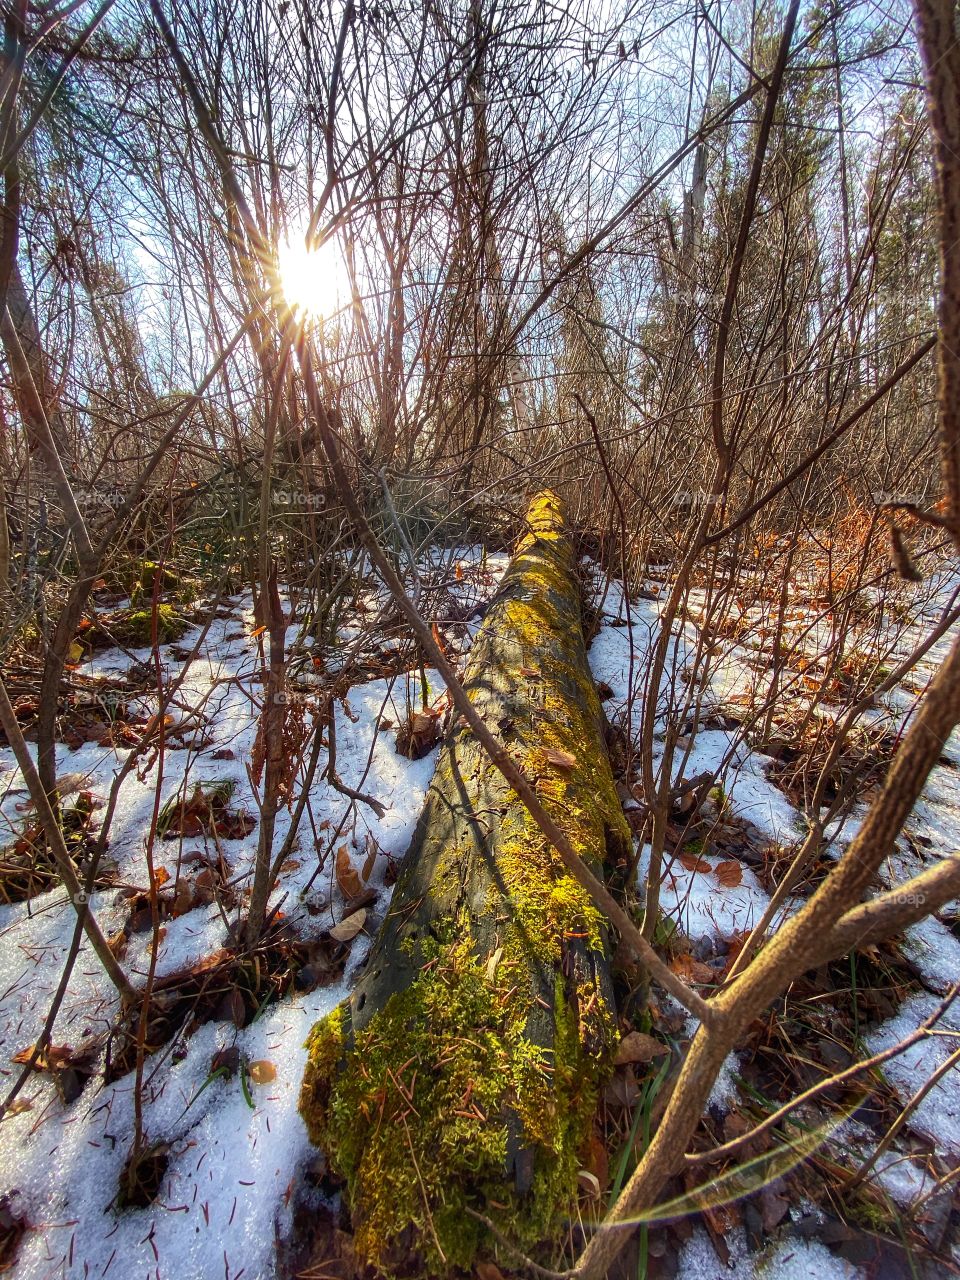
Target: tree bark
463, 1073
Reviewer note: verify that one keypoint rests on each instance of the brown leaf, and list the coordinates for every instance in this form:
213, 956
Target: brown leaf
560, 759
638, 1047
371, 859
117, 942
350, 883
597, 1160
691, 970
773, 1208
693, 862
729, 873
348, 929
183, 900
235, 826
488, 1271
232, 1008
262, 1072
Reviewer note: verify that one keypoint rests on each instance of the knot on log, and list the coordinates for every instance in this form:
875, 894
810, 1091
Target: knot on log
464, 1071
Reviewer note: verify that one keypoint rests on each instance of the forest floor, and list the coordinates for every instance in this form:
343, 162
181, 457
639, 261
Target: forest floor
236, 1175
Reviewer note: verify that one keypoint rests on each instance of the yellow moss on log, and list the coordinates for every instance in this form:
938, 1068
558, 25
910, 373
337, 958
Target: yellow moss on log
470, 1069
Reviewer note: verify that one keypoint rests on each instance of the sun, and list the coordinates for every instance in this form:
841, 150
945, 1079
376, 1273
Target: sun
313, 280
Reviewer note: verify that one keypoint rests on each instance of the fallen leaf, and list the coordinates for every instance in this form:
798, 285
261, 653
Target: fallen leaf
693, 862
597, 1160
232, 1008
638, 1047
729, 873
590, 1181
370, 861
492, 963
350, 883
262, 1072
348, 929
691, 970
488, 1271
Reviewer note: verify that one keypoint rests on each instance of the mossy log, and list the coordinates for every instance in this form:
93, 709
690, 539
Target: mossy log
464, 1071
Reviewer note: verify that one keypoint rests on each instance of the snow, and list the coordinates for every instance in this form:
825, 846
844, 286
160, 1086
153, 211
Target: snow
701, 907
709, 913
224, 1198
937, 1116
792, 1259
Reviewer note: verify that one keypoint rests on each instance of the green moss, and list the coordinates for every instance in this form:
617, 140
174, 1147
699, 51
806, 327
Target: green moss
135, 629
427, 1131
423, 1109
142, 576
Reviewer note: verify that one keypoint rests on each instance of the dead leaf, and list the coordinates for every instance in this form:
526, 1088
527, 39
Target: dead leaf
488, 1271
351, 886
492, 963
773, 1208
693, 862
638, 1047
371, 859
560, 759
729, 873
590, 1181
597, 1160
231, 1007
227, 1059
262, 1072
348, 929
691, 970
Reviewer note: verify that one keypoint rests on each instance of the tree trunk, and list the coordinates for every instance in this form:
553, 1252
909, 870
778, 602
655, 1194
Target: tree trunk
464, 1071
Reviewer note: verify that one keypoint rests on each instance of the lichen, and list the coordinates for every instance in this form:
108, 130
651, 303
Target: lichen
468, 1090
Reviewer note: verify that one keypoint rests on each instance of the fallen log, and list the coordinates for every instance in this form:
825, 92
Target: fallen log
464, 1071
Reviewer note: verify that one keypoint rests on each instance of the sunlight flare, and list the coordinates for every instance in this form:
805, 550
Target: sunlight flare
313, 280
